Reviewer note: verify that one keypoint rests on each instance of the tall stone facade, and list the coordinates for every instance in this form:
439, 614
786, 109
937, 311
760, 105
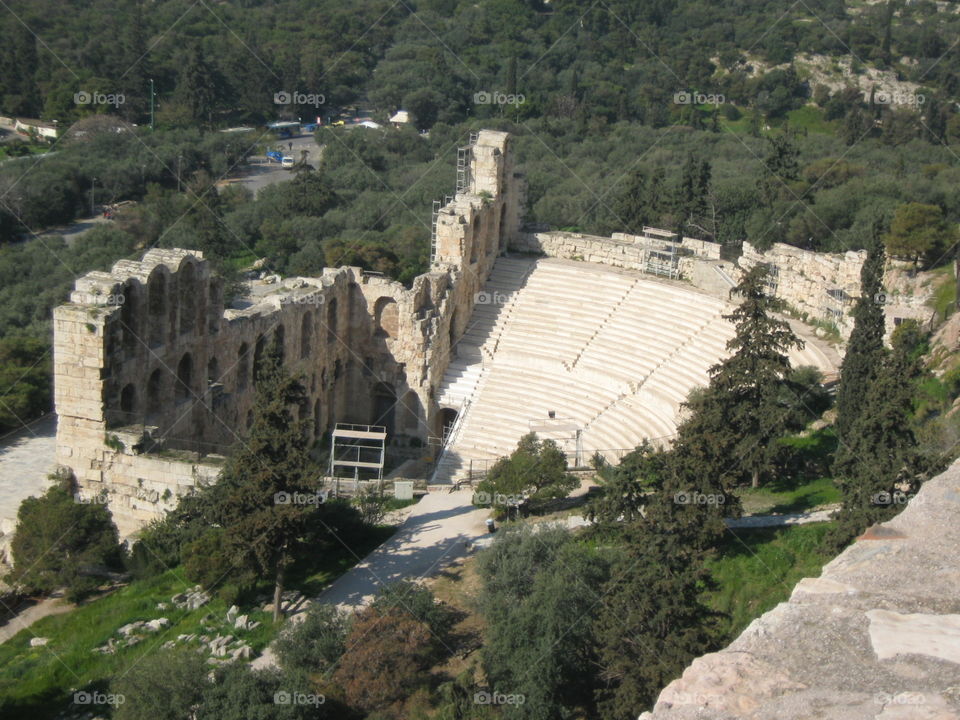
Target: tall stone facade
154, 377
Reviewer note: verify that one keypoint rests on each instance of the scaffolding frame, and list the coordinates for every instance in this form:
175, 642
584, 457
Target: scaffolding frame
360, 447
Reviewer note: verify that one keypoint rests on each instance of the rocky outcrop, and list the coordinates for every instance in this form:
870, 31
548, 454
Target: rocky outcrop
877, 635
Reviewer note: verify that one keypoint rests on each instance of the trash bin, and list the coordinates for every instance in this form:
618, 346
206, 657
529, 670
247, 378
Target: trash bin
491, 525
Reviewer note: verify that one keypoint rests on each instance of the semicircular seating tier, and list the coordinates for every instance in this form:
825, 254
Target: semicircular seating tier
559, 346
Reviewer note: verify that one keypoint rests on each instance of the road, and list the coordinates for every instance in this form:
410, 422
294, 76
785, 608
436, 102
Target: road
260, 173
73, 232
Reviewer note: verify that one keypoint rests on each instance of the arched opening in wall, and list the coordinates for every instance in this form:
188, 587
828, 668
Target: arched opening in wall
157, 306
184, 388
154, 393
475, 239
317, 420
213, 306
129, 316
387, 317
384, 407
445, 420
410, 415
279, 337
499, 242
332, 321
187, 297
258, 351
213, 371
306, 335
243, 366
128, 403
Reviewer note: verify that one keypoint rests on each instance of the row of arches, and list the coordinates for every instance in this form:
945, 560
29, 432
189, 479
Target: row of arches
152, 320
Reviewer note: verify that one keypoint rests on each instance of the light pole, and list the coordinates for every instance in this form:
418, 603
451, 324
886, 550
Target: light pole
93, 185
179, 162
151, 104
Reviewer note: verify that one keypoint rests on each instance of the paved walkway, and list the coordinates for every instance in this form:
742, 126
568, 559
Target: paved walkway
433, 536
27, 456
26, 618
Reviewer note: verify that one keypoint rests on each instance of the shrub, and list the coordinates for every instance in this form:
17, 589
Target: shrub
316, 643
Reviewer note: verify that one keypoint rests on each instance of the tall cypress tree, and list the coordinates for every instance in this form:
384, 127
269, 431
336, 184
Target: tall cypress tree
631, 206
865, 351
879, 468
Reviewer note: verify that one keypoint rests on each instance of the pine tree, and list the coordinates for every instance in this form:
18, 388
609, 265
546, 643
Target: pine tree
265, 507
631, 206
865, 351
134, 71
735, 424
511, 79
197, 86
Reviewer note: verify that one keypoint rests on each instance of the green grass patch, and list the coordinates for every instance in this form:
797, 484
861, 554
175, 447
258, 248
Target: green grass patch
38, 682
757, 569
811, 119
773, 499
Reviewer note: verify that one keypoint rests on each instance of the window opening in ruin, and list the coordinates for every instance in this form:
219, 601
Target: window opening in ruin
184, 378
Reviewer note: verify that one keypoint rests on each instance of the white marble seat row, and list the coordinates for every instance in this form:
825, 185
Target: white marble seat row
616, 353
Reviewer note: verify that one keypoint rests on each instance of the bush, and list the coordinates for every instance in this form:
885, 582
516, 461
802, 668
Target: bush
387, 659
418, 602
184, 674
62, 542
316, 643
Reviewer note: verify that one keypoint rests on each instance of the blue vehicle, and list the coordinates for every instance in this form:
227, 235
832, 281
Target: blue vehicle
275, 156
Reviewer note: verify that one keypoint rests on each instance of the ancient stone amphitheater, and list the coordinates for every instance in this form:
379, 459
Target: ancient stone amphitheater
594, 342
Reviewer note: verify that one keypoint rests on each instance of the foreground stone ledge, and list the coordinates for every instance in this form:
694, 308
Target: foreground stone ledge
877, 635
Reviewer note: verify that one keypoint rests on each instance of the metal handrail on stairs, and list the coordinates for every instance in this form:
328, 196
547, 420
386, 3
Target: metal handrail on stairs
451, 438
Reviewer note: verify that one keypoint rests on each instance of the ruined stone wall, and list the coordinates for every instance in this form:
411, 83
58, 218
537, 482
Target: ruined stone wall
154, 379
621, 250
805, 280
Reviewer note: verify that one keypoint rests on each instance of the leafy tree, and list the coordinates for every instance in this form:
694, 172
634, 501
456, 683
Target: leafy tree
536, 471
918, 230
539, 598
25, 375
63, 539
625, 487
